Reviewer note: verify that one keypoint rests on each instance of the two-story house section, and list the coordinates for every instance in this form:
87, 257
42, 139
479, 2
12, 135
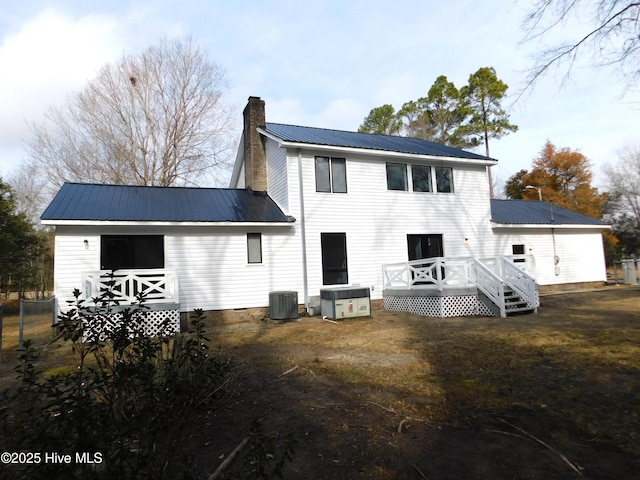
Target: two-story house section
362, 201
310, 209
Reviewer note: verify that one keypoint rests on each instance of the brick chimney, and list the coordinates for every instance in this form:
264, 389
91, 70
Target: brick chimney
255, 158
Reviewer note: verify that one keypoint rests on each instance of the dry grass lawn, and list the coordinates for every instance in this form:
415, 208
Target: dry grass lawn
550, 395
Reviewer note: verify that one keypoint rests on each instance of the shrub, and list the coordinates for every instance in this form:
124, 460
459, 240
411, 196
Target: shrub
128, 405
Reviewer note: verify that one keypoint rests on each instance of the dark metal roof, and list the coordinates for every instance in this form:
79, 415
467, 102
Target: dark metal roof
531, 212
390, 143
81, 201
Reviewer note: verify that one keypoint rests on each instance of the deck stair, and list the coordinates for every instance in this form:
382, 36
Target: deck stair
504, 288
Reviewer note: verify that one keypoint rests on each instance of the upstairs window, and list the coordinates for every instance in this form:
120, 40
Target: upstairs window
397, 176
331, 175
421, 178
444, 179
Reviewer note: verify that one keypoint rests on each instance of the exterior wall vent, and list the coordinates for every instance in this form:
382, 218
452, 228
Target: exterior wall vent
283, 305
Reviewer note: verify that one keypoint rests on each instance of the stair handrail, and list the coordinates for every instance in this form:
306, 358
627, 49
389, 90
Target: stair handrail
520, 281
490, 284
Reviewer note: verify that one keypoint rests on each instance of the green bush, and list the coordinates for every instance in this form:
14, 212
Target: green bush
130, 400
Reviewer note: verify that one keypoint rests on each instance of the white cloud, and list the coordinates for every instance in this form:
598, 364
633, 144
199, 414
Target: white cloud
50, 56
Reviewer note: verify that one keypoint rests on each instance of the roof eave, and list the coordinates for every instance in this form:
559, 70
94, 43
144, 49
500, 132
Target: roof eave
131, 223
495, 224
375, 152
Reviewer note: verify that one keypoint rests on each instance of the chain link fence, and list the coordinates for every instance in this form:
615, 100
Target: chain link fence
26, 320
626, 272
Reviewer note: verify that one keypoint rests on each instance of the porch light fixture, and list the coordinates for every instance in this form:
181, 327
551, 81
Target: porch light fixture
86, 244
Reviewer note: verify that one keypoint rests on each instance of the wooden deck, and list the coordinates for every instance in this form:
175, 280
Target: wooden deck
451, 287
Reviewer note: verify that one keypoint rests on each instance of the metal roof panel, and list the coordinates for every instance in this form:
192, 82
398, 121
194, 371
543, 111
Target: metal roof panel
94, 202
390, 143
533, 212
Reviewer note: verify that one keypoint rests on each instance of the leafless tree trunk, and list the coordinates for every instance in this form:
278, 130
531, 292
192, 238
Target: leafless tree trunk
157, 118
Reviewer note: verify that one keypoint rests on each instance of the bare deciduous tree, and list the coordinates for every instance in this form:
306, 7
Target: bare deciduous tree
157, 118
624, 183
30, 191
608, 33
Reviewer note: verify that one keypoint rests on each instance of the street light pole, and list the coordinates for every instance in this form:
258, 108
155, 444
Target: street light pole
538, 189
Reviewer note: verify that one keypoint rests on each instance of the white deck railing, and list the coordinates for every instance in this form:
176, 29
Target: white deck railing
490, 284
520, 281
157, 285
439, 272
435, 272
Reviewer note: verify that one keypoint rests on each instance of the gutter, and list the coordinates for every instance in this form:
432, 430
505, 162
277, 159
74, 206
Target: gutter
126, 223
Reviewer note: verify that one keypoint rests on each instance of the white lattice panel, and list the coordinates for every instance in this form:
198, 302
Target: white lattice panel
446, 306
151, 323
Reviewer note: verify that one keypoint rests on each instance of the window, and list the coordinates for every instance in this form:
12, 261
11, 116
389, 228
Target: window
331, 175
334, 258
518, 249
254, 247
444, 179
424, 246
131, 252
397, 176
421, 178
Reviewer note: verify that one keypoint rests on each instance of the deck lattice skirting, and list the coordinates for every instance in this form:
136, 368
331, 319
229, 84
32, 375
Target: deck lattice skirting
164, 320
432, 303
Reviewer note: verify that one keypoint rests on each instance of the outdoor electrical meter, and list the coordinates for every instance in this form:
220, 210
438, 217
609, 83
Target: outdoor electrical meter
345, 302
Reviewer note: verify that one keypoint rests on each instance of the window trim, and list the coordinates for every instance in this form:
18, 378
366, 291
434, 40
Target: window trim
434, 171
413, 184
251, 258
406, 177
451, 183
332, 176
326, 256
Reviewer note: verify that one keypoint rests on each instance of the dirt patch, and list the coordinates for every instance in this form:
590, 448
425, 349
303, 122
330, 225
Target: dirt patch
552, 395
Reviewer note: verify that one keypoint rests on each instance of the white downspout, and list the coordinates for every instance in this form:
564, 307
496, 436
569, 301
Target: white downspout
303, 234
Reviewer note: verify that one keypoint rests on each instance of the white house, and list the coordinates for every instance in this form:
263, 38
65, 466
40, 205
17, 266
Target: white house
309, 209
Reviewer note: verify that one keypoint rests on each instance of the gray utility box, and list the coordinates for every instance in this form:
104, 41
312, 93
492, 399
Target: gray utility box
345, 302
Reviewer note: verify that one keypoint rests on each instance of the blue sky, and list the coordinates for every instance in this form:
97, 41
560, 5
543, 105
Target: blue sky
324, 63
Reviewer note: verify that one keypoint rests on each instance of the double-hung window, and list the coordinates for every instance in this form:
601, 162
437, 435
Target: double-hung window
397, 176
331, 175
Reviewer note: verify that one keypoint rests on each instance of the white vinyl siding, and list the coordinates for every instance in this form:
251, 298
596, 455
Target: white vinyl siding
211, 263
277, 175
376, 220
579, 251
